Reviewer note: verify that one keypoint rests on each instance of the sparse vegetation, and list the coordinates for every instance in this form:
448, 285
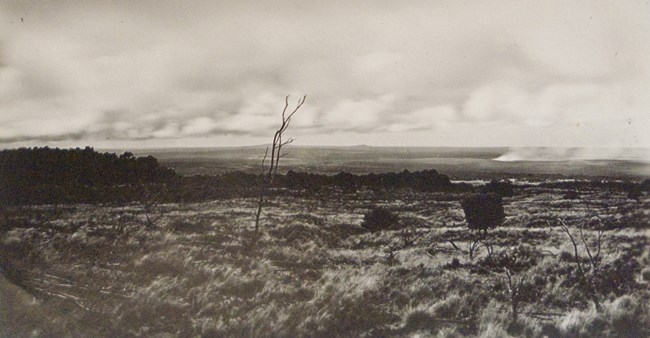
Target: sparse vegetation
337, 262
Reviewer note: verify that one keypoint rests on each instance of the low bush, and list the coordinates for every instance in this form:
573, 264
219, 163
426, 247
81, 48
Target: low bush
645, 185
571, 195
622, 317
502, 188
380, 219
635, 193
483, 211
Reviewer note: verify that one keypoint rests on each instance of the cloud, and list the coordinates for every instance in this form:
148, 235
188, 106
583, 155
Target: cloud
178, 70
424, 119
358, 115
199, 126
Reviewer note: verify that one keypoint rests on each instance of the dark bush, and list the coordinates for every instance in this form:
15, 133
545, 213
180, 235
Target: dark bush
483, 211
618, 277
635, 192
645, 185
571, 195
502, 188
379, 219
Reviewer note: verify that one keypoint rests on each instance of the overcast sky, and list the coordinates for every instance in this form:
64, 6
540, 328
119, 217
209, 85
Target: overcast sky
428, 73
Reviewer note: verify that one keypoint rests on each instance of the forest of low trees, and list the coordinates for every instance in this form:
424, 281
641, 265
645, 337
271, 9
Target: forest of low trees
52, 176
426, 180
46, 175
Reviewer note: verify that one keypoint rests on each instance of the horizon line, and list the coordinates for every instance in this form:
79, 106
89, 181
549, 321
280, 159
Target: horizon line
332, 146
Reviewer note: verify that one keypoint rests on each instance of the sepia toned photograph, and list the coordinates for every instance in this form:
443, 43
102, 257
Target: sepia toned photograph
359, 168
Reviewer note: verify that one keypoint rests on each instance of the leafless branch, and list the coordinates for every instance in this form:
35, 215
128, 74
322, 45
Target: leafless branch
276, 154
587, 281
454, 245
598, 243
290, 140
266, 154
514, 287
489, 248
575, 246
472, 247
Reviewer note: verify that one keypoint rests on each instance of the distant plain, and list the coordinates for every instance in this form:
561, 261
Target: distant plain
456, 162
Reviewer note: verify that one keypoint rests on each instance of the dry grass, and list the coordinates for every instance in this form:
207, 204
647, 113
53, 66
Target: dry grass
317, 272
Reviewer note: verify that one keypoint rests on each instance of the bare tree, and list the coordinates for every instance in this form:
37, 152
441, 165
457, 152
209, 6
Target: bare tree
150, 196
514, 290
276, 154
586, 276
471, 248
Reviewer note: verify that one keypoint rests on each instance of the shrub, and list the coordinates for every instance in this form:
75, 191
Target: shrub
483, 211
379, 219
502, 188
634, 193
618, 276
623, 317
645, 185
571, 195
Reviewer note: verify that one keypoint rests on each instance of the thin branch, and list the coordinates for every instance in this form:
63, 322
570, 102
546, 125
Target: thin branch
277, 147
274, 146
289, 141
575, 247
472, 247
286, 105
584, 242
300, 103
513, 289
454, 245
598, 243
489, 248
266, 153
276, 154
509, 275
587, 281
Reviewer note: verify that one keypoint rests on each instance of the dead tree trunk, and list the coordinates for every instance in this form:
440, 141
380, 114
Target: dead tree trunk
276, 154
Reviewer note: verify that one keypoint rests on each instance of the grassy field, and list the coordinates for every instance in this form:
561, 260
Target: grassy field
200, 271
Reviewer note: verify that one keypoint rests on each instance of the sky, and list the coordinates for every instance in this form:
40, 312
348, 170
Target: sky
142, 74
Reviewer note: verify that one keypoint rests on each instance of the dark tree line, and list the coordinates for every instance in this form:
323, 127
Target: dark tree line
53, 176
426, 180
47, 175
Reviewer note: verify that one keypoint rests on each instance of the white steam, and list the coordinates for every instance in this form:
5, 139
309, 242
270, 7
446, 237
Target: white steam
575, 154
